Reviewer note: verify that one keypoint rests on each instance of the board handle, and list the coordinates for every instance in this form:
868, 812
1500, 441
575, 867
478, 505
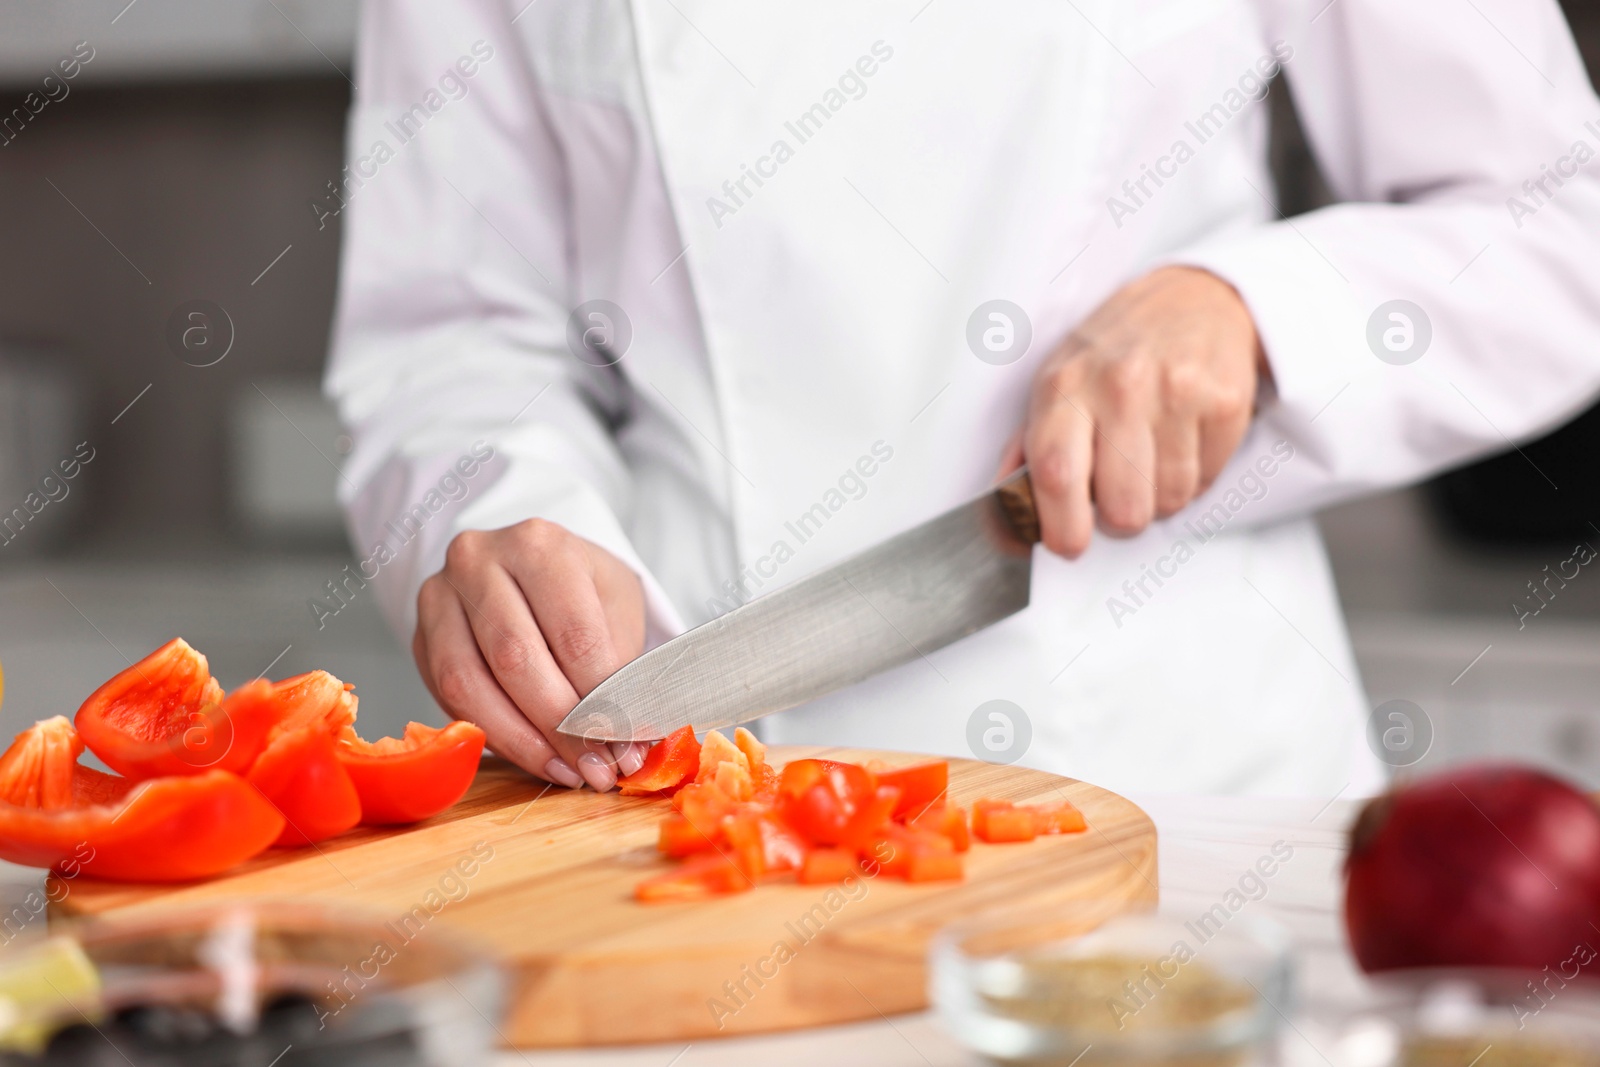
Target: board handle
1015, 495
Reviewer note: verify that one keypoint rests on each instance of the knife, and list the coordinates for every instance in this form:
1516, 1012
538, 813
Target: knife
900, 600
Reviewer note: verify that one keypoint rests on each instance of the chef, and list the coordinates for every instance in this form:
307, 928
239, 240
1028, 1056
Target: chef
649, 308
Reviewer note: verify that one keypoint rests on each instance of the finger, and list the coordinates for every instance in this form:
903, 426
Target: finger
567, 607
1124, 491
1059, 447
1177, 441
557, 578
503, 624
460, 680
1220, 434
419, 655
621, 601
629, 755
578, 635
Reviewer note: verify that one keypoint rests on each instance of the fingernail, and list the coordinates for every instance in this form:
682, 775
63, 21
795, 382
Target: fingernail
596, 772
631, 760
560, 772
618, 749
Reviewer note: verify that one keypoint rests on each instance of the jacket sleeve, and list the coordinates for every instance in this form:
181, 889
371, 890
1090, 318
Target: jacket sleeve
1462, 139
450, 366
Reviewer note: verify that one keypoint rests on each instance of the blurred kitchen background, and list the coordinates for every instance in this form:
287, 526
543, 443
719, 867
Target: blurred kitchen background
180, 168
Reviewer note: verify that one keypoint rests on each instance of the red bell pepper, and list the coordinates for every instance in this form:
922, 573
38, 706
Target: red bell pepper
711, 874
670, 762
167, 715
820, 798
764, 780
677, 837
315, 698
827, 865
933, 865
998, 821
921, 785
54, 812
303, 778
1060, 818
745, 844
946, 819
739, 821
403, 780
782, 848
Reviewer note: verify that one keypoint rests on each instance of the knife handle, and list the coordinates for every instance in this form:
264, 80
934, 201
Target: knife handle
1016, 502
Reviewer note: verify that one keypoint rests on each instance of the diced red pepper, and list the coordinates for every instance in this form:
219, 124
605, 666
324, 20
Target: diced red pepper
753, 750
870, 819
678, 837
799, 776
1060, 818
827, 865
716, 750
704, 806
929, 865
946, 819
881, 859
820, 798
671, 762
824, 820
782, 848
734, 781
746, 847
921, 785
697, 878
998, 821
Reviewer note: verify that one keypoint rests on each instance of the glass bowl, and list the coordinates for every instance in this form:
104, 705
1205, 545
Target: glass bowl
1139, 989
1453, 1017
248, 983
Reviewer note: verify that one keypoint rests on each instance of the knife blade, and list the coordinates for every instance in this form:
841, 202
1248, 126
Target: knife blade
899, 600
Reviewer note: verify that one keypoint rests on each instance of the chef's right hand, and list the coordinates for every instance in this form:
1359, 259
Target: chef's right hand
520, 624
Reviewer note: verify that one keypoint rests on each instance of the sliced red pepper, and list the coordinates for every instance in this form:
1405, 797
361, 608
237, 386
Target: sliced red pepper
404, 780
671, 762
700, 877
166, 715
55, 812
315, 698
921, 785
304, 779
827, 865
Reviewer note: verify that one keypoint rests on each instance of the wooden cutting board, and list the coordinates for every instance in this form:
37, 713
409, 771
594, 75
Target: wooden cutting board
550, 890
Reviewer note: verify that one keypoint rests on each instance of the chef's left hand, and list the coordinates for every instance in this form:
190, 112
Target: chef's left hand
1141, 406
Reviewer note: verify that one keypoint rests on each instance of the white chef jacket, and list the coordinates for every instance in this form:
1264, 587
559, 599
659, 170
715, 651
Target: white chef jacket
795, 329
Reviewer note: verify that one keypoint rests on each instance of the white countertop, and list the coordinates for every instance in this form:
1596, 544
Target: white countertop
1206, 843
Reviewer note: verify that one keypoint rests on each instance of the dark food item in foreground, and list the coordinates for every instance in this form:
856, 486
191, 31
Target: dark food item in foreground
293, 1031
